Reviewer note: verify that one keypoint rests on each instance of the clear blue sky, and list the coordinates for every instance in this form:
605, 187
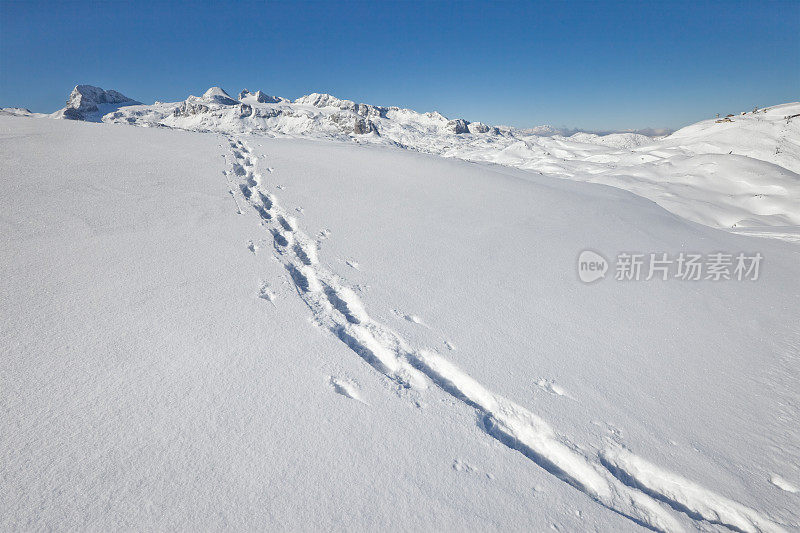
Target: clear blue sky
595, 65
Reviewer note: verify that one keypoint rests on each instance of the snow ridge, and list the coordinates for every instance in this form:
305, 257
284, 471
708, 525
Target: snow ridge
261, 97
614, 478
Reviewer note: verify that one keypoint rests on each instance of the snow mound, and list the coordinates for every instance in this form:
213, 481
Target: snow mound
545, 130
613, 140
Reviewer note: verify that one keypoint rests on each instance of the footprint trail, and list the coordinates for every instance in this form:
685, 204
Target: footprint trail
614, 478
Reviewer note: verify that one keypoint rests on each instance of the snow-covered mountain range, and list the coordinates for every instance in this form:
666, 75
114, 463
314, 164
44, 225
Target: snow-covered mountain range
317, 115
739, 172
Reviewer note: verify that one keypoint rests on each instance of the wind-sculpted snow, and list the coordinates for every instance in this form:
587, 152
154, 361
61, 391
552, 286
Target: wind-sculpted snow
735, 174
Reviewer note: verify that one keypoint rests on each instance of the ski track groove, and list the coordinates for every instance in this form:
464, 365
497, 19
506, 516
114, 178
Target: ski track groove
615, 478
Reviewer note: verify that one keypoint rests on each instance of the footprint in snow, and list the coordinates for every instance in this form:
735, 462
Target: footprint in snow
550, 386
463, 466
414, 319
782, 484
266, 293
614, 433
345, 388
450, 345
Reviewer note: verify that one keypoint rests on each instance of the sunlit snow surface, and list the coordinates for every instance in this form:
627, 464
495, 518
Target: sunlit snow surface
734, 172
208, 330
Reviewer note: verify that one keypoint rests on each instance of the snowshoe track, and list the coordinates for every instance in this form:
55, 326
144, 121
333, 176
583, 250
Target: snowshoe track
615, 478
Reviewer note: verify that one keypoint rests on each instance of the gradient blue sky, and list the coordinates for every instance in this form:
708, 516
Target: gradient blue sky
594, 65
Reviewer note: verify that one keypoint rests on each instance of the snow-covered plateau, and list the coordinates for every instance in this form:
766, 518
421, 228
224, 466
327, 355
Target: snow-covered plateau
257, 314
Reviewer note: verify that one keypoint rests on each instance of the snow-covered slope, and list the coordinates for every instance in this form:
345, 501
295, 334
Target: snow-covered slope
207, 331
738, 173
